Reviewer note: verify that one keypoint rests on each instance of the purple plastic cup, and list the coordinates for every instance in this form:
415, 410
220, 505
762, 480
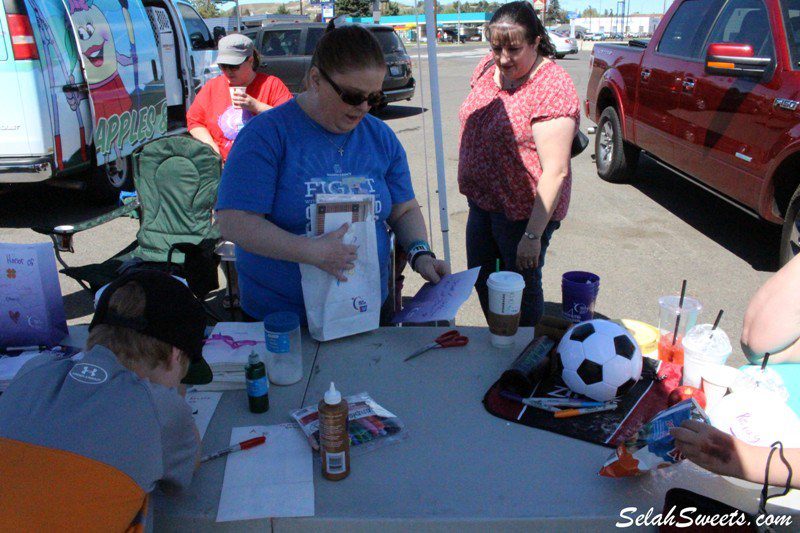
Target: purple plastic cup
578, 295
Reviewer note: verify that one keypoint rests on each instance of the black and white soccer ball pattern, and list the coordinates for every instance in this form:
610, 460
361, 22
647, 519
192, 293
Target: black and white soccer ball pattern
599, 359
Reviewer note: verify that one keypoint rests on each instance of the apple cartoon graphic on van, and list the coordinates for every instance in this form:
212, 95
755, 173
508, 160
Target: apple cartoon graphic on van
109, 95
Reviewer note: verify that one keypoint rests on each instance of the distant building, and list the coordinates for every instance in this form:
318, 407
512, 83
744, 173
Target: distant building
631, 25
254, 21
472, 24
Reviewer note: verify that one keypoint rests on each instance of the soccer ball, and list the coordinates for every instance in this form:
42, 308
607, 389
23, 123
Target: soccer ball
599, 359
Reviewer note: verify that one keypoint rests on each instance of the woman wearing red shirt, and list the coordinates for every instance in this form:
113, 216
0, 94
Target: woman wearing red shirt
517, 126
216, 115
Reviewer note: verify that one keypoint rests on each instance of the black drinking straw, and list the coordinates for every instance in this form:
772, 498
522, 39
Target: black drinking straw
764, 362
678, 318
716, 323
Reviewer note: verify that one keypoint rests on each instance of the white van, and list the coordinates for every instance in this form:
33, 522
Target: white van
85, 82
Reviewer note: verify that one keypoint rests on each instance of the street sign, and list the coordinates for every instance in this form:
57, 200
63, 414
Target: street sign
327, 10
572, 15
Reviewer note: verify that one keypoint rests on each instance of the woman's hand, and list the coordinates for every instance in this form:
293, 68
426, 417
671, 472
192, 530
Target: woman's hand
245, 101
712, 449
431, 269
334, 256
528, 251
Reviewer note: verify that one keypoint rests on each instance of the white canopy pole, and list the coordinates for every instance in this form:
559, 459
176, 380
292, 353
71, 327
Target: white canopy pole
433, 76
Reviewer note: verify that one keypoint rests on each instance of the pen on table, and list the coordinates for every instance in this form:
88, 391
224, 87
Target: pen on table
551, 402
566, 402
31, 348
250, 443
568, 413
528, 402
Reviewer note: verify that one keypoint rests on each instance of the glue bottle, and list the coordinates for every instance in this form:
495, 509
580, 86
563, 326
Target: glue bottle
334, 439
257, 385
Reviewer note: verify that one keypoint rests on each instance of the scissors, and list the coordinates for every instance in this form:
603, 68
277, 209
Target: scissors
446, 340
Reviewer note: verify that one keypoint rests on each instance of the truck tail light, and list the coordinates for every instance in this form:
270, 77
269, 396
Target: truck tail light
23, 42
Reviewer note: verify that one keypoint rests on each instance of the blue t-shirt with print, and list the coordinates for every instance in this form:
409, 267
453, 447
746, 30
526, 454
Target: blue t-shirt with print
280, 161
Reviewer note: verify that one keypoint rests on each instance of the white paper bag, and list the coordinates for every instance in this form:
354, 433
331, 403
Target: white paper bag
337, 309
31, 306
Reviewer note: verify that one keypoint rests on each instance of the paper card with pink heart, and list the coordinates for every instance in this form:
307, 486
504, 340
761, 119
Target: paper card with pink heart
31, 305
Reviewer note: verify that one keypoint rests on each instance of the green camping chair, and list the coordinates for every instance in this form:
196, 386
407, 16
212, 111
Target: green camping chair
176, 180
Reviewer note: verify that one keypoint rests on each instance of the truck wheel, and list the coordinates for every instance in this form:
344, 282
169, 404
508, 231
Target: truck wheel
108, 180
790, 238
615, 159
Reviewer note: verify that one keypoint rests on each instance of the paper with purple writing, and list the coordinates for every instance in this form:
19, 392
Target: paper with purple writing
441, 301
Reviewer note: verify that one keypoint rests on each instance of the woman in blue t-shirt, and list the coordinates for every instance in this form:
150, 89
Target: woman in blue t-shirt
323, 141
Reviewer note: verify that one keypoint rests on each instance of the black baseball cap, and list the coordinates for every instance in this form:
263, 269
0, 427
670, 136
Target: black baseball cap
172, 314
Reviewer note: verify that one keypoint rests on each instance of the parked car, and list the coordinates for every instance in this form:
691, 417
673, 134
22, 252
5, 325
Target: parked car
84, 87
598, 36
563, 45
714, 96
286, 51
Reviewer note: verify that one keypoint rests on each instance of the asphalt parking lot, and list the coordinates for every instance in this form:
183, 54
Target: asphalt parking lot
642, 239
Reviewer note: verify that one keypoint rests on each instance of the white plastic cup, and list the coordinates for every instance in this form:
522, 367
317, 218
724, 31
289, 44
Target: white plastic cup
237, 91
717, 381
703, 348
505, 306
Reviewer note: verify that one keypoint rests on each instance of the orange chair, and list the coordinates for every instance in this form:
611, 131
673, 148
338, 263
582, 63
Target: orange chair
44, 489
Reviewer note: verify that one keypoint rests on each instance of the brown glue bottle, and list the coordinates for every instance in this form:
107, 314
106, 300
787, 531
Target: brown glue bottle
334, 440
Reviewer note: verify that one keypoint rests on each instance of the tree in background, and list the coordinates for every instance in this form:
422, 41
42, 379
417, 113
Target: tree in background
356, 8
392, 9
282, 10
206, 8
590, 12
554, 13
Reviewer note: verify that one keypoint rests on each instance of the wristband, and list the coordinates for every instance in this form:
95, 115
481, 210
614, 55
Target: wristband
413, 259
418, 246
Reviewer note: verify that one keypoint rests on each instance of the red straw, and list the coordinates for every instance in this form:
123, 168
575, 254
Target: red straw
678, 318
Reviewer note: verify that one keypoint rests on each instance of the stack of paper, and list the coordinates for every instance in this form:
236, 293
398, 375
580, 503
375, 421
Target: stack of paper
10, 365
227, 350
273, 480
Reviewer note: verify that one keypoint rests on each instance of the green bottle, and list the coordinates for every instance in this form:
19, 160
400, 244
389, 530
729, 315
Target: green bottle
257, 384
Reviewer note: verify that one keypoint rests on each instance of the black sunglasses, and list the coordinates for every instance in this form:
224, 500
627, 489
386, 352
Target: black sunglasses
232, 68
352, 98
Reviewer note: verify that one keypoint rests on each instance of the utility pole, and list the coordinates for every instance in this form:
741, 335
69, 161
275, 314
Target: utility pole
458, 31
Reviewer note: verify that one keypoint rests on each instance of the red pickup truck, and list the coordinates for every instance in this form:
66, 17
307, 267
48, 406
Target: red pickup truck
715, 97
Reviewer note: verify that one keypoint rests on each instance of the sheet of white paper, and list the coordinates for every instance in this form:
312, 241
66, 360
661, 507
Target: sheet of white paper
441, 301
9, 366
203, 405
219, 352
275, 479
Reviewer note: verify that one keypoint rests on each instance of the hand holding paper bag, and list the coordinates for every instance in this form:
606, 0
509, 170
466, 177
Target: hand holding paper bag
340, 303
335, 256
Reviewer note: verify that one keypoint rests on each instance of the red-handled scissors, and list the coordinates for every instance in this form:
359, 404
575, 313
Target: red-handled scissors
446, 340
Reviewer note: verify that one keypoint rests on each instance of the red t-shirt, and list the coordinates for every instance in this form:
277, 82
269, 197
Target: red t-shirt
498, 166
212, 108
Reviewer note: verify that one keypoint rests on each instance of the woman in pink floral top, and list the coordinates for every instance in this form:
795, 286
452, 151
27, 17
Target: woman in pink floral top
517, 126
